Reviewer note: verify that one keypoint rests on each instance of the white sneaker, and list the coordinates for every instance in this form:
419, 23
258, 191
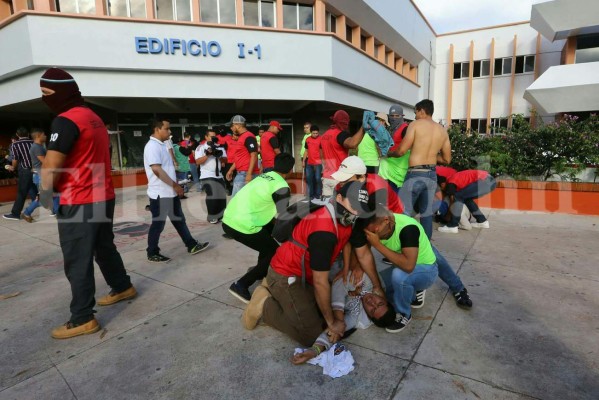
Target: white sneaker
465, 227
448, 229
480, 225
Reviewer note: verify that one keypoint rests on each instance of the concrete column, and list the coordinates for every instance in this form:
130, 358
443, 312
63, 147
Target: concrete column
450, 85
340, 25
470, 76
150, 10
512, 83
279, 8
490, 93
239, 13
101, 7
43, 5
319, 16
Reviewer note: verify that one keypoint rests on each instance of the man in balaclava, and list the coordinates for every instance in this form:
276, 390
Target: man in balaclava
77, 165
394, 168
336, 143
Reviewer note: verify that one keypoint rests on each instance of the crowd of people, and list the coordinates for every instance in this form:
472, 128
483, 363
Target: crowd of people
317, 274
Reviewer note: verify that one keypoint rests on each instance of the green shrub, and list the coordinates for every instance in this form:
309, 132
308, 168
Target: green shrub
563, 148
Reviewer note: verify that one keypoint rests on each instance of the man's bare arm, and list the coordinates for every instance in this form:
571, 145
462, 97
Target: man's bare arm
366, 259
322, 293
51, 166
354, 141
444, 157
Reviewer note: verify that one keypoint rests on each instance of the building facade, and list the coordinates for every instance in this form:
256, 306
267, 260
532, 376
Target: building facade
199, 62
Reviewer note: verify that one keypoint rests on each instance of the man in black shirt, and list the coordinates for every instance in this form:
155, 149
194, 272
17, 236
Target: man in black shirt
21, 162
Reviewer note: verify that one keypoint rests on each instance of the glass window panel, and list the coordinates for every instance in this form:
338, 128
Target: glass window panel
333, 24
183, 10
68, 6
117, 8
498, 66
87, 6
138, 8
227, 11
587, 55
290, 16
250, 13
476, 73
348, 33
465, 70
268, 13
587, 42
306, 17
485, 68
164, 9
209, 11
507, 66
363, 42
482, 126
457, 70
529, 65
520, 64
376, 52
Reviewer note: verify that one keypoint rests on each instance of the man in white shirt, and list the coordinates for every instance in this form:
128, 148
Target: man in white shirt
211, 158
164, 193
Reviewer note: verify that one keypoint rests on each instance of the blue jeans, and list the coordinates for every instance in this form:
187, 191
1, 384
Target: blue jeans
167, 207
239, 182
35, 200
447, 274
402, 287
180, 176
417, 195
313, 175
466, 197
195, 177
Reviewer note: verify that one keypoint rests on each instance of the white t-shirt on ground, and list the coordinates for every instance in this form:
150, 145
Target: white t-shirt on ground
155, 152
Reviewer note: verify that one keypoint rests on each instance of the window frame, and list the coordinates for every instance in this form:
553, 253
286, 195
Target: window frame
218, 17
128, 3
174, 8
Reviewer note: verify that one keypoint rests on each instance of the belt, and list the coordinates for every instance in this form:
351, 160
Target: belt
427, 167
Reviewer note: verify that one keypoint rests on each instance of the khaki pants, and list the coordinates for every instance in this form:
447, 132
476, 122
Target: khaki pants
292, 309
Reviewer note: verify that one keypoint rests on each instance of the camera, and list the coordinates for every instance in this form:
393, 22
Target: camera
213, 148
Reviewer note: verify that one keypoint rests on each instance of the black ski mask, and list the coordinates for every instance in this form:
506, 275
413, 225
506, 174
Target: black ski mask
66, 92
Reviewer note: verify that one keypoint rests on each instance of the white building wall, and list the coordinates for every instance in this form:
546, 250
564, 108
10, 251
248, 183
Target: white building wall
550, 55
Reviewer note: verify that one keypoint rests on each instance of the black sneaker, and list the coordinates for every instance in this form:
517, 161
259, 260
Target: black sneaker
401, 321
419, 302
462, 299
11, 217
158, 258
387, 261
241, 292
198, 247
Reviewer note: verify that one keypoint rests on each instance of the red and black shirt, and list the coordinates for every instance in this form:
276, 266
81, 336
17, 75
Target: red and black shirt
268, 143
333, 150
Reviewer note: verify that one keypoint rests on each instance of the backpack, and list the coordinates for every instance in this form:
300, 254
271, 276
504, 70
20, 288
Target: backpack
286, 221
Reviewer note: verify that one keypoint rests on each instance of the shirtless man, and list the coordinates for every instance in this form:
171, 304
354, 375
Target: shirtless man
429, 145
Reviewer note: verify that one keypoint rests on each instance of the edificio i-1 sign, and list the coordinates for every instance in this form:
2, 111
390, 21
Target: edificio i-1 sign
150, 45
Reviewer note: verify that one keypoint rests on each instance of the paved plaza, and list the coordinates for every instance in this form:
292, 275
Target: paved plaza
533, 331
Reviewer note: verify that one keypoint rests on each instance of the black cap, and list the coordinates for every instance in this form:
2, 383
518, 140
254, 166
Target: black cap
358, 196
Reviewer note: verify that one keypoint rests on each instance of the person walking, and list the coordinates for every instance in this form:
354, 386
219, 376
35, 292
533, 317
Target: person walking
21, 162
312, 163
245, 156
164, 193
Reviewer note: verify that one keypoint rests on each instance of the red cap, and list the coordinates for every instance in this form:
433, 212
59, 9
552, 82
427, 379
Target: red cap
276, 124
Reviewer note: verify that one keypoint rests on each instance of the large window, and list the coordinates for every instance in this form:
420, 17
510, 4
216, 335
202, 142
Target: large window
524, 65
177, 10
77, 6
298, 16
330, 22
462, 70
218, 11
587, 49
259, 13
126, 8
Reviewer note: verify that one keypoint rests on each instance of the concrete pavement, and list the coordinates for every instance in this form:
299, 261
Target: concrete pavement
533, 331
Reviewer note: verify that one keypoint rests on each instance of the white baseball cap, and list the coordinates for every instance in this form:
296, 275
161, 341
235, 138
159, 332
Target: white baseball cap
352, 165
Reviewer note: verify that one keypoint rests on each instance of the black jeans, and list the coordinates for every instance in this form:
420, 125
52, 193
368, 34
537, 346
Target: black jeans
85, 232
167, 207
25, 186
260, 241
216, 197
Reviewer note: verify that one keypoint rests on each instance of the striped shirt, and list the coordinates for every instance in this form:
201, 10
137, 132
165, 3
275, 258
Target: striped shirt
19, 151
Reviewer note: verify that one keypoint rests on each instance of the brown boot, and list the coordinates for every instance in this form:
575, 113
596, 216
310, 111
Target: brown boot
253, 312
70, 330
114, 297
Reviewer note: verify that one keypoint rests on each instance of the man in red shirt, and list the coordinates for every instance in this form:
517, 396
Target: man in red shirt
335, 143
462, 188
301, 310
269, 146
245, 155
312, 163
77, 165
